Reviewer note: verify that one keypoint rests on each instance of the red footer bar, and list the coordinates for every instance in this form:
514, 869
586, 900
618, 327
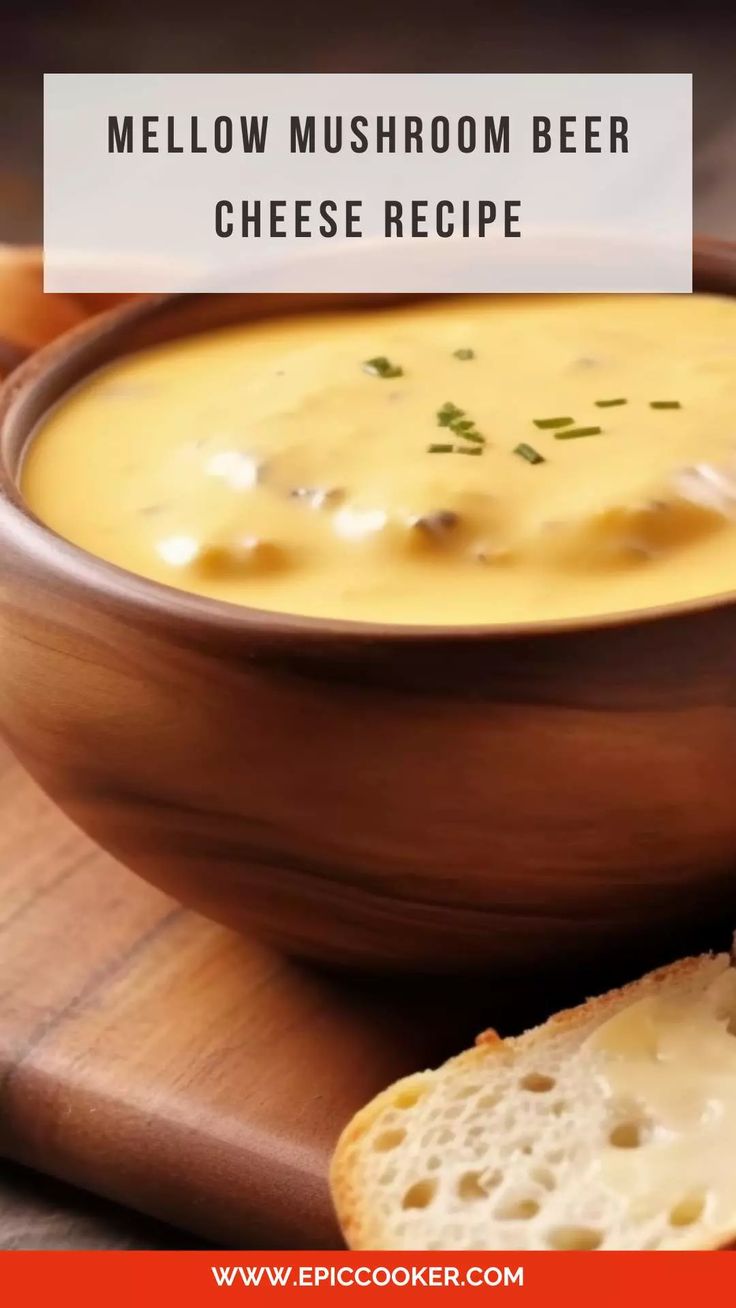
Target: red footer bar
115, 1279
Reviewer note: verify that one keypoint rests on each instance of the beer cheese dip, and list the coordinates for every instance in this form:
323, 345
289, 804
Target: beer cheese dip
454, 461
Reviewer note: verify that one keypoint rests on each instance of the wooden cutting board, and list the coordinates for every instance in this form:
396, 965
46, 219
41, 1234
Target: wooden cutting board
162, 1061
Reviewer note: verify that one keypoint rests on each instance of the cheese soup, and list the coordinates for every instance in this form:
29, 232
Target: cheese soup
473, 460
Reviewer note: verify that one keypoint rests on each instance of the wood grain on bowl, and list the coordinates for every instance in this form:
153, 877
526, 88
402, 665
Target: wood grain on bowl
11, 355
361, 794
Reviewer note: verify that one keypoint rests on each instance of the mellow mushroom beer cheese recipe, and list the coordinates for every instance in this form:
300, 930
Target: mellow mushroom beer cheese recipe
473, 460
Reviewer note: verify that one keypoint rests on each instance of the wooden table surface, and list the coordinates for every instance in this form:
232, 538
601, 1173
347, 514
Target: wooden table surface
35, 1212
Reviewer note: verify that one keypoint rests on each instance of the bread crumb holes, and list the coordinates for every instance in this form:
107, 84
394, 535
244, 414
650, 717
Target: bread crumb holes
538, 1082
469, 1187
408, 1097
688, 1211
467, 1091
575, 1237
544, 1177
388, 1140
488, 1101
628, 1135
518, 1210
420, 1194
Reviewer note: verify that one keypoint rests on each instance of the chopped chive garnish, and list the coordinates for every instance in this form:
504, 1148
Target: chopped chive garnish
548, 424
382, 367
448, 413
437, 447
529, 453
608, 404
464, 354
465, 449
665, 404
572, 433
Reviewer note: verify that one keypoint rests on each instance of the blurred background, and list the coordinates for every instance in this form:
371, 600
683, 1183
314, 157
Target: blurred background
39, 36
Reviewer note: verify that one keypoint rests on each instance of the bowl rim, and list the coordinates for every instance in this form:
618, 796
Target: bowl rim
713, 258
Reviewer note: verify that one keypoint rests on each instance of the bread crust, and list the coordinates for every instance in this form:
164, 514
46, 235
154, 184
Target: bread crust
360, 1227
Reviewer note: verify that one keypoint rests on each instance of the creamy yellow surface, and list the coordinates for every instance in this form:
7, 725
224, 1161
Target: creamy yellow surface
264, 465
670, 1065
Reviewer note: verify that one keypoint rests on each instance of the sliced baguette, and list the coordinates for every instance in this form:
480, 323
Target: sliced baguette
521, 1144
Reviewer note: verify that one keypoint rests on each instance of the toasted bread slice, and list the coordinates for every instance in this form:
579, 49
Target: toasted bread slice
613, 1126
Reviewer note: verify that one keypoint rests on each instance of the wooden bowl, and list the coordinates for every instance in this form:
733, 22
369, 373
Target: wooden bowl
367, 795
